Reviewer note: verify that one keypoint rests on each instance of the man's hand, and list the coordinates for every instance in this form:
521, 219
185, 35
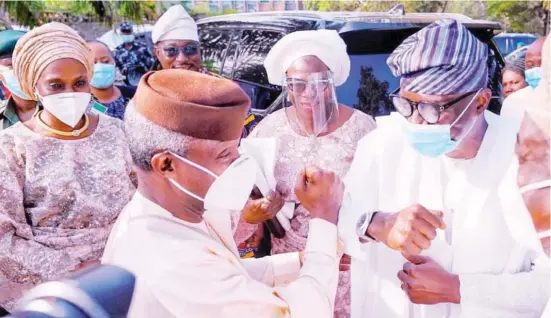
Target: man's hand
259, 210
320, 193
409, 231
426, 282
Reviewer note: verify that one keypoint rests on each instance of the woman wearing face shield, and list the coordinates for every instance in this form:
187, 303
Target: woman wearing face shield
64, 175
312, 128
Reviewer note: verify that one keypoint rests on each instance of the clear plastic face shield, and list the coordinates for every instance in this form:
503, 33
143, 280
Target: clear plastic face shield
310, 102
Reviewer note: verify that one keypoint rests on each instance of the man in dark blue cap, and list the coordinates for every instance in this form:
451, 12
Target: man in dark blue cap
132, 53
18, 106
436, 185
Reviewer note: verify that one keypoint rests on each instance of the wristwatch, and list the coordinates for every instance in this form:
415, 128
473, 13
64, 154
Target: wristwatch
361, 226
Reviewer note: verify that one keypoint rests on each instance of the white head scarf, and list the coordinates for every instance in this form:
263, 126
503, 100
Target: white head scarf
326, 45
175, 24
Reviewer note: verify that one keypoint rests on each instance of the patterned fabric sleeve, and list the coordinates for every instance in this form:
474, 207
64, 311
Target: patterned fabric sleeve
129, 162
23, 261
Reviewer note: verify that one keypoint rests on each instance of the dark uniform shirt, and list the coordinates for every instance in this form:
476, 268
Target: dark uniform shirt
137, 55
8, 116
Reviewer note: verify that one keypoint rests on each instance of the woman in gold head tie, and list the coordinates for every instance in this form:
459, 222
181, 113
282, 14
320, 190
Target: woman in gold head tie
64, 175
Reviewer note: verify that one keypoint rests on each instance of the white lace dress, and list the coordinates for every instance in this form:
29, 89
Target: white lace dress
332, 152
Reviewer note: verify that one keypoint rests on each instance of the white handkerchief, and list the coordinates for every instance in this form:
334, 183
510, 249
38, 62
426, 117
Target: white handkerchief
264, 152
440, 250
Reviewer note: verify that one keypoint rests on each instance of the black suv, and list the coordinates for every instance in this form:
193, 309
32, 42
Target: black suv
235, 46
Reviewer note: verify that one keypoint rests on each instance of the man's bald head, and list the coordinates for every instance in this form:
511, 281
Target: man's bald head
534, 52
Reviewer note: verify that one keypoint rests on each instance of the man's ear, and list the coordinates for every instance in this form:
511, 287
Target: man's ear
483, 100
163, 164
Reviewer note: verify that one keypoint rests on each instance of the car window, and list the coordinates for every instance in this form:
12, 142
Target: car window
253, 48
369, 84
231, 53
507, 45
249, 69
214, 45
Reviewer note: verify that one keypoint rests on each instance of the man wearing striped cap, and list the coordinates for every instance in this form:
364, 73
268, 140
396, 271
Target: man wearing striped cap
433, 217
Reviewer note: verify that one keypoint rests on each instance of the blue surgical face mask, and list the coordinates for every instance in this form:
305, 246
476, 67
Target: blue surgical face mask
127, 38
104, 75
435, 140
533, 76
13, 85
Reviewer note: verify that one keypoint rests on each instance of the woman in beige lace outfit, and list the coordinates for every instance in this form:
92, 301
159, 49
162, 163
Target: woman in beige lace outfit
312, 52
64, 175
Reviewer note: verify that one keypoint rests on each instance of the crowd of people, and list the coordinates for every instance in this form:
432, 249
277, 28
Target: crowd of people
440, 209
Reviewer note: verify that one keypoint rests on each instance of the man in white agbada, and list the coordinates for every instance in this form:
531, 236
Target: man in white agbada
534, 177
176, 40
533, 152
514, 105
183, 130
432, 214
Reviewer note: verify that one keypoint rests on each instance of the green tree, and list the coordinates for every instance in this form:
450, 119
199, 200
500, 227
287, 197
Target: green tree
24, 12
520, 16
328, 5
372, 93
28, 13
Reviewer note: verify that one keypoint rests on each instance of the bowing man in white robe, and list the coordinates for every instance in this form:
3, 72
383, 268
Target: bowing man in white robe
183, 130
432, 214
532, 149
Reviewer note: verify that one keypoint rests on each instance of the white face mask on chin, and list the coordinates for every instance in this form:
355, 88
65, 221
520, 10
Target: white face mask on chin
230, 190
536, 186
67, 107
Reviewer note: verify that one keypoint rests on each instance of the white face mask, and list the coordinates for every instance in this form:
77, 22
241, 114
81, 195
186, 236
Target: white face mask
67, 107
535, 186
231, 189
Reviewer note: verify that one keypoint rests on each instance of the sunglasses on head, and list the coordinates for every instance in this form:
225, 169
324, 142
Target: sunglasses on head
430, 112
174, 51
299, 86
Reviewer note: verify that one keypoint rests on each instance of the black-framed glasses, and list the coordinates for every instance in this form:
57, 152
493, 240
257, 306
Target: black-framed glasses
174, 51
299, 86
428, 111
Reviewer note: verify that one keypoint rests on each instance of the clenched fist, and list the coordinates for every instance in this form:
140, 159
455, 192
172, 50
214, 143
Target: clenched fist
409, 231
426, 282
320, 193
259, 209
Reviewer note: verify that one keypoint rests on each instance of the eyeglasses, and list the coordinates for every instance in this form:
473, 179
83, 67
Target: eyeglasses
173, 51
299, 86
428, 111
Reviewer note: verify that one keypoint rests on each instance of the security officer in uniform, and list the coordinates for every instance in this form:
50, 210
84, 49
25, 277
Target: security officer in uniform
177, 46
132, 54
18, 106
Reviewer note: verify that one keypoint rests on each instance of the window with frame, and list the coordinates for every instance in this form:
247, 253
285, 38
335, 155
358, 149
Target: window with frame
253, 48
249, 69
214, 47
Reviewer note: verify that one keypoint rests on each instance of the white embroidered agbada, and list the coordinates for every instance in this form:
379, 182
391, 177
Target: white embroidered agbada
194, 270
491, 242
